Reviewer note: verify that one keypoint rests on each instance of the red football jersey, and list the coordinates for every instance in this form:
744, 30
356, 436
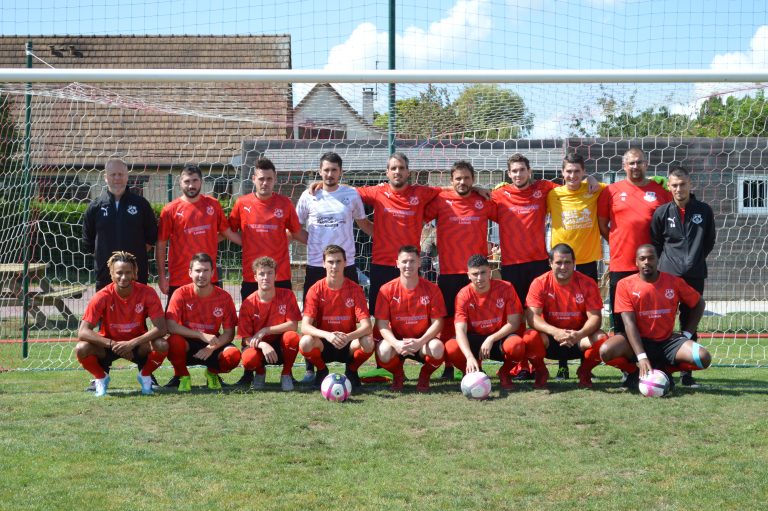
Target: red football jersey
462, 228
191, 227
207, 315
629, 209
263, 224
410, 312
398, 217
654, 303
521, 215
564, 306
336, 310
486, 313
255, 314
123, 319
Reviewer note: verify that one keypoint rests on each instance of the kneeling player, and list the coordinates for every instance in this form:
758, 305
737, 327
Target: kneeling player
123, 308
409, 314
488, 312
195, 314
565, 307
336, 324
648, 302
267, 323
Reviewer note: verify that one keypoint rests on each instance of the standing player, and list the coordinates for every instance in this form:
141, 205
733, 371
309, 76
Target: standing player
564, 305
122, 308
410, 315
118, 221
683, 232
648, 303
462, 230
327, 216
336, 324
398, 217
260, 221
267, 322
573, 209
488, 313
196, 315
191, 224
625, 209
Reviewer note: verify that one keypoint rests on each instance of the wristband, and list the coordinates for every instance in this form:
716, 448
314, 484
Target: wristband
642, 356
688, 334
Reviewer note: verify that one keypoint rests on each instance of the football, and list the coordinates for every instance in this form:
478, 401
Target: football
654, 384
476, 385
336, 387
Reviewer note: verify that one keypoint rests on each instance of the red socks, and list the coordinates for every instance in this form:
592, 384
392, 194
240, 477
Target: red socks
154, 360
228, 360
290, 344
177, 354
358, 358
91, 364
316, 357
253, 360
622, 364
454, 356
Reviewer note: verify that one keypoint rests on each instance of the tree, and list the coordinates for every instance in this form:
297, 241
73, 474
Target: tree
746, 116
427, 116
491, 112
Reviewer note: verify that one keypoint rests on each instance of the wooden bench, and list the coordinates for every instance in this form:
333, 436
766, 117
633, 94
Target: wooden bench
56, 299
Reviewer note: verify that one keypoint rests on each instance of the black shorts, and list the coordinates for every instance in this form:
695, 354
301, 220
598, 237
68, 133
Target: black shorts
380, 275
317, 273
475, 341
450, 285
333, 354
521, 275
614, 278
277, 345
557, 352
589, 269
662, 353
212, 362
248, 288
111, 356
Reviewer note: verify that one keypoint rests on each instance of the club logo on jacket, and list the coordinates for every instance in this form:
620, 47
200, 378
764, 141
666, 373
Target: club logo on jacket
350, 302
697, 219
424, 300
218, 312
669, 293
650, 196
209, 210
478, 204
500, 303
139, 308
413, 201
278, 213
537, 194
579, 298
132, 210
281, 309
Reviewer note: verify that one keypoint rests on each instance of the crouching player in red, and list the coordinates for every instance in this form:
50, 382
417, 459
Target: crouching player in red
267, 323
195, 314
648, 303
564, 305
409, 314
123, 308
336, 324
488, 313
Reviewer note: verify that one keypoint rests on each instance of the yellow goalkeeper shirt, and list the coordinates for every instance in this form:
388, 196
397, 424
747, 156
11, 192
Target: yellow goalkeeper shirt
574, 221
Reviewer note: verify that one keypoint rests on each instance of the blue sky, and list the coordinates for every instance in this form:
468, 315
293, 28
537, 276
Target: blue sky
448, 34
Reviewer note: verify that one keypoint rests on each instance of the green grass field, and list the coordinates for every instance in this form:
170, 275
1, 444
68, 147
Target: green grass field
61, 448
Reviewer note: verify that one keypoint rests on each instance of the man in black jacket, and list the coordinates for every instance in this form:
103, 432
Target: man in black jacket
118, 220
683, 232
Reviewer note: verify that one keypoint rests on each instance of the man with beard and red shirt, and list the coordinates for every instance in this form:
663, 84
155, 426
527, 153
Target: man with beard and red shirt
122, 308
564, 305
410, 315
648, 303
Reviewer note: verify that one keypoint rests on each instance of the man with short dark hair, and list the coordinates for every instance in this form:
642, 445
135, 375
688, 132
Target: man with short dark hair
683, 232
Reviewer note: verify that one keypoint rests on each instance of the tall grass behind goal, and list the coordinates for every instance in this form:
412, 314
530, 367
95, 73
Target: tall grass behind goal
74, 128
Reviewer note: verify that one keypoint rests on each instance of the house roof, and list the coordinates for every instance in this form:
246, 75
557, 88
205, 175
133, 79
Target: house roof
151, 124
320, 87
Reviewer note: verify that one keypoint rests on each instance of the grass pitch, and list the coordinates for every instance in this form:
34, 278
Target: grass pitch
61, 448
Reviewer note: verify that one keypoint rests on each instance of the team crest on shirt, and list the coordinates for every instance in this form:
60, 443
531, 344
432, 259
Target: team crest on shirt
650, 196
478, 204
218, 312
500, 303
413, 201
696, 219
281, 309
537, 194
350, 302
579, 298
424, 300
623, 196
209, 210
669, 293
139, 308
345, 201
278, 213
132, 210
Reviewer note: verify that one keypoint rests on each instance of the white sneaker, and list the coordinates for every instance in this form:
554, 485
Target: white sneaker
309, 377
146, 384
101, 386
286, 382
258, 381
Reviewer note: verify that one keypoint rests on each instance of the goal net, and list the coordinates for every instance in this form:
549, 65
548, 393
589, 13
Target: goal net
56, 137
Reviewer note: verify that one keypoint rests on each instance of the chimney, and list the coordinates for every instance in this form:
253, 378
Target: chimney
368, 104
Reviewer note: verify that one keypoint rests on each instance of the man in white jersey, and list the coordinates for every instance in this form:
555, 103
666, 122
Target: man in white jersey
326, 217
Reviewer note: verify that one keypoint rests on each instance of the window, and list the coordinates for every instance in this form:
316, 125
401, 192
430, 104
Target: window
752, 195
